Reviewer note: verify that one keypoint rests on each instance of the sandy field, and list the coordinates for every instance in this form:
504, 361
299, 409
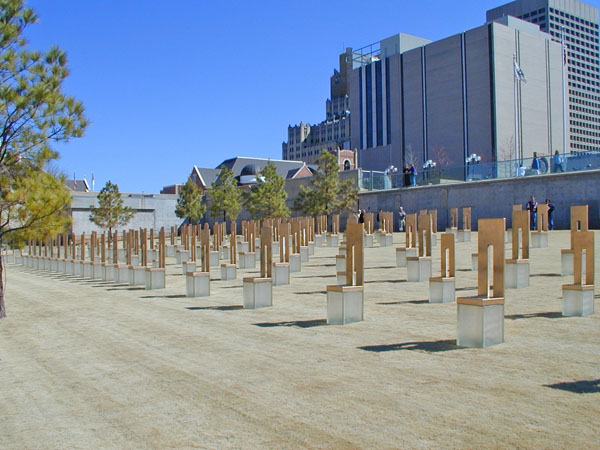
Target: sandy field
89, 364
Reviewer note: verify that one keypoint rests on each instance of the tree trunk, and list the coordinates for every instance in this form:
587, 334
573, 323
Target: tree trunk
2, 288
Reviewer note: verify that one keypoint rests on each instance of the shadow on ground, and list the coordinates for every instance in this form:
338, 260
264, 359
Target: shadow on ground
545, 275
425, 346
136, 288
214, 308
468, 288
412, 302
578, 387
546, 315
165, 296
294, 323
386, 281
312, 276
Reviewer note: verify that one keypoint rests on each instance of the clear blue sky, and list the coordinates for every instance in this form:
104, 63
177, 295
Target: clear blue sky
170, 84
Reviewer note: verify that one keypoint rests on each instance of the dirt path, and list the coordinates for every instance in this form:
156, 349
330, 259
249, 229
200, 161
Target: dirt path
87, 364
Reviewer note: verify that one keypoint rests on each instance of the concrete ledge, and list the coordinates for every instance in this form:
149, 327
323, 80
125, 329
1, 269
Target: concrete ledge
155, 278
247, 260
87, 269
304, 254
340, 263
539, 239
578, 300
442, 289
295, 263
182, 256
566, 262
402, 253
345, 304
214, 258
333, 240
97, 271
122, 273
418, 268
188, 266
480, 321
137, 276
516, 273
228, 272
197, 284
281, 274
258, 293
463, 236
109, 272
318, 240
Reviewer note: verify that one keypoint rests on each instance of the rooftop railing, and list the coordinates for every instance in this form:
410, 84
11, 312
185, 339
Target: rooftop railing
476, 171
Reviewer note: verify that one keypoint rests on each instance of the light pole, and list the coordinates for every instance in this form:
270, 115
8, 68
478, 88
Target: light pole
471, 160
428, 167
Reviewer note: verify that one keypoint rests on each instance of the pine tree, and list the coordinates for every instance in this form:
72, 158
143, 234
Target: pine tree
34, 112
189, 203
327, 194
225, 196
110, 212
266, 199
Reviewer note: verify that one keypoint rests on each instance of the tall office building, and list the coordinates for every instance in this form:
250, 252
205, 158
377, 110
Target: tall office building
578, 23
414, 100
306, 142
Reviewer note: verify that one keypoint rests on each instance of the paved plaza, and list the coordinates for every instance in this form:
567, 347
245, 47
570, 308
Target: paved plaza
92, 364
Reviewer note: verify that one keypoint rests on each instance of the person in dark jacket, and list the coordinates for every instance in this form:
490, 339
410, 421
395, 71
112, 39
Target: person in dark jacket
535, 164
406, 173
532, 208
361, 216
550, 214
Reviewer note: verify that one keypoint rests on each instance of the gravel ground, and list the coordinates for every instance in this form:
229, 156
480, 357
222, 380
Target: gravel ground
89, 364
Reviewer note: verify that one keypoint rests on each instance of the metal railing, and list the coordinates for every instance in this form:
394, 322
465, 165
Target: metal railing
369, 180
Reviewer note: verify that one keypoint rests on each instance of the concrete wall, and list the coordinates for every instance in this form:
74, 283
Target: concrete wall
539, 100
480, 127
152, 211
495, 198
444, 96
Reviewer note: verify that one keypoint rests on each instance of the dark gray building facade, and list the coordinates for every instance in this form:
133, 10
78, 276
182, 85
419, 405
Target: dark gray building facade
445, 100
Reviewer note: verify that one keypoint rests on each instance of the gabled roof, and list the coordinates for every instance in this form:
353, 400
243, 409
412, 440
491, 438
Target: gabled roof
300, 172
283, 167
207, 176
78, 185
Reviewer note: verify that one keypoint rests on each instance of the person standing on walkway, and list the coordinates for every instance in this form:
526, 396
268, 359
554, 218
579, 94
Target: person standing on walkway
550, 214
557, 163
532, 208
402, 219
535, 164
